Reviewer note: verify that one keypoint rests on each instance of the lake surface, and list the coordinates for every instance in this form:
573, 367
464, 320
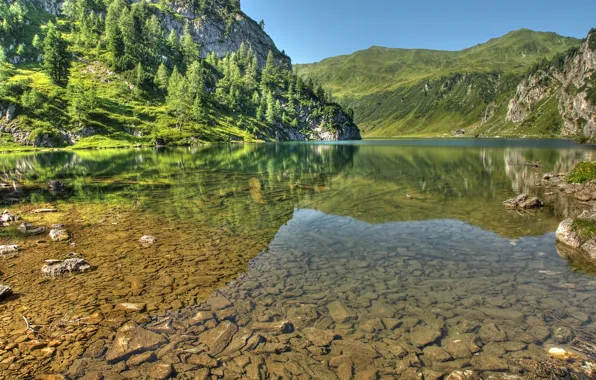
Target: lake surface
385, 258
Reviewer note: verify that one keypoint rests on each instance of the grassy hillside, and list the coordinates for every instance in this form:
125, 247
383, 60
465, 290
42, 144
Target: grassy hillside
128, 73
410, 91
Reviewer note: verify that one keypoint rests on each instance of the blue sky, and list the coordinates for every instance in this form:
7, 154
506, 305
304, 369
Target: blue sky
311, 30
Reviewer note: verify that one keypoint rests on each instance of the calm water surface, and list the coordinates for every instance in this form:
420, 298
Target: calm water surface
373, 283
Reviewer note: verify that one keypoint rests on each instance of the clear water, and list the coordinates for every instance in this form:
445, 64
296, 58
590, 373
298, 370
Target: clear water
399, 249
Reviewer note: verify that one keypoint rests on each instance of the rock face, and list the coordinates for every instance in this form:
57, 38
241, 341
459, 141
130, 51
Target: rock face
572, 82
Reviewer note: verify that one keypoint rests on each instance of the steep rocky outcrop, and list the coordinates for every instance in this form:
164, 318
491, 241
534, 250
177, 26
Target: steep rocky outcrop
572, 80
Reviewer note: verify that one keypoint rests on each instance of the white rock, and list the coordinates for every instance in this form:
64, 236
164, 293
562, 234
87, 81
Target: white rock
566, 235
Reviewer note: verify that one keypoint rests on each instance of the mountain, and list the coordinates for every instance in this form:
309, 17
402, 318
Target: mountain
110, 73
417, 92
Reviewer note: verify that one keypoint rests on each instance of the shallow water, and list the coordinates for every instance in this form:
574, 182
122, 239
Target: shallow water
443, 281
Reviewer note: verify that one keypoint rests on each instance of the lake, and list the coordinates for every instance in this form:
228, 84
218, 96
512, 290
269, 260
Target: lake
377, 258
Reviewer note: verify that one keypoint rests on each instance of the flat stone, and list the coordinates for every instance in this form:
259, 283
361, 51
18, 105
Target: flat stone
139, 359
436, 354
132, 307
219, 303
340, 313
160, 371
28, 229
59, 235
217, 339
320, 338
563, 335
44, 210
202, 317
498, 313
492, 333
421, 336
203, 360
282, 327
133, 339
485, 362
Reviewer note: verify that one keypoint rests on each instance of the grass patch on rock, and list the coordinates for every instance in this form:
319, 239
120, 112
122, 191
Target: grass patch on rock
585, 228
583, 172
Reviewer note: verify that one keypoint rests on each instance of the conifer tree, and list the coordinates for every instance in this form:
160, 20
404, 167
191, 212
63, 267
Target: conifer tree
162, 78
178, 101
268, 74
56, 60
189, 47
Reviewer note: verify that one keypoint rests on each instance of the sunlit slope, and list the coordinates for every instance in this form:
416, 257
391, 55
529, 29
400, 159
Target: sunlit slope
413, 91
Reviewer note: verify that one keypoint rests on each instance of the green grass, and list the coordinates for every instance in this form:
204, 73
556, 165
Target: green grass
586, 229
583, 172
414, 91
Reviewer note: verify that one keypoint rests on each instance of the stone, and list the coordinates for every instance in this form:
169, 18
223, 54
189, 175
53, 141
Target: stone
219, 303
28, 229
133, 339
55, 268
202, 317
6, 218
421, 336
147, 241
484, 362
340, 313
524, 202
589, 247
462, 375
558, 353
203, 360
160, 371
139, 359
566, 235
563, 335
500, 314
282, 327
132, 307
59, 235
491, 333
320, 338
436, 354
5, 291
217, 339
44, 211
56, 186
9, 250
345, 371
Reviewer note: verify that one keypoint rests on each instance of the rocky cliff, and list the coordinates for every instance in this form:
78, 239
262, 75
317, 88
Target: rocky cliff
571, 79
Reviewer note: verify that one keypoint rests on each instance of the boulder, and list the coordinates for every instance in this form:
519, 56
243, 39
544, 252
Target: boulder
132, 339
421, 336
6, 218
566, 235
523, 202
55, 268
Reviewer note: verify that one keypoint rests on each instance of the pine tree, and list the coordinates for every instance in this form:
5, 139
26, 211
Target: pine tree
178, 101
162, 78
115, 42
269, 72
196, 83
174, 48
81, 101
189, 47
56, 60
270, 113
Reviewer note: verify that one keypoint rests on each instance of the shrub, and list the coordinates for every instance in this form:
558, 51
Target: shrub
583, 172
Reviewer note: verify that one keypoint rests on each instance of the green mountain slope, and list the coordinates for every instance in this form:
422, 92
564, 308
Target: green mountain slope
409, 91
112, 73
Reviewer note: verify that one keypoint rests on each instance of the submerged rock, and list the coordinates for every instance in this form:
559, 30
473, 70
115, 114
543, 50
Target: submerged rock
132, 339
5, 291
55, 268
217, 339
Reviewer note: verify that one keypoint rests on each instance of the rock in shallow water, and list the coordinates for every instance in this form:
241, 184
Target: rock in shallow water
55, 268
132, 339
217, 339
566, 235
9, 250
28, 229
